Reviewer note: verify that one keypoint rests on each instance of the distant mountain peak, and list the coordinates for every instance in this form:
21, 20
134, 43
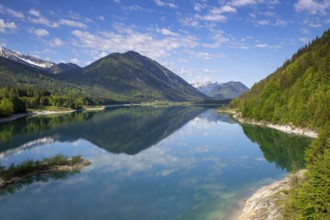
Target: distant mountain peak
25, 59
63, 67
229, 90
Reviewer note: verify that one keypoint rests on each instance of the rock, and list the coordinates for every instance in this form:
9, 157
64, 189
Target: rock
266, 203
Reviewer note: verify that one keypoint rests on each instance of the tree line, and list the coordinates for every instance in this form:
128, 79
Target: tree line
18, 100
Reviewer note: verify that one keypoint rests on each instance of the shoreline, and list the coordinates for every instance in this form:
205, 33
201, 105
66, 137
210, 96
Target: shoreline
33, 113
268, 201
47, 112
284, 128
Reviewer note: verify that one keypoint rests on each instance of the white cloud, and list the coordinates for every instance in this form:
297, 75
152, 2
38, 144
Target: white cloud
34, 12
162, 3
75, 60
280, 22
304, 40
127, 38
166, 32
305, 31
37, 18
44, 21
215, 14
243, 2
263, 22
219, 39
199, 7
223, 9
14, 13
6, 27
312, 22
189, 21
40, 32
267, 46
312, 6
205, 55
72, 23
56, 42
101, 18
212, 17
262, 46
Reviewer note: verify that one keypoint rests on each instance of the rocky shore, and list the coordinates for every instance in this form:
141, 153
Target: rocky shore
268, 202
284, 128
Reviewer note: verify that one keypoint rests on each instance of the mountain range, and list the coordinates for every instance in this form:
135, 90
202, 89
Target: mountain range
221, 91
128, 77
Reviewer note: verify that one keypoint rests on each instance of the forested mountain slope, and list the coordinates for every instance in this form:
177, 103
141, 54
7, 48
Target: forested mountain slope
133, 77
297, 93
17, 75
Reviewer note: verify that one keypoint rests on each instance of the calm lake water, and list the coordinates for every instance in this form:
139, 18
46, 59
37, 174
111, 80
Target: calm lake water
147, 163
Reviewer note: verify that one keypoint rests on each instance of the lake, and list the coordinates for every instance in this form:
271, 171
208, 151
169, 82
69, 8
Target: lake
147, 163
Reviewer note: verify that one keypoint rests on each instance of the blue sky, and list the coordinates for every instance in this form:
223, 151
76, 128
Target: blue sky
200, 40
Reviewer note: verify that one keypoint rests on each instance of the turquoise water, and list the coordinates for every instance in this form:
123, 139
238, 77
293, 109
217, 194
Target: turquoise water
147, 163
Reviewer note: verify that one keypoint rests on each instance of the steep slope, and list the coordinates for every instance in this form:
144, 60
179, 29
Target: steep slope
63, 67
297, 93
229, 90
133, 77
25, 59
19, 75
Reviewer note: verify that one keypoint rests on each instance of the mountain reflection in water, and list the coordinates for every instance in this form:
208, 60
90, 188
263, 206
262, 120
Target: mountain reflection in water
117, 130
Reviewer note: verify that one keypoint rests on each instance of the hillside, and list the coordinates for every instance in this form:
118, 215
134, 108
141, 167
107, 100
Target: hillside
229, 90
133, 77
296, 93
18, 75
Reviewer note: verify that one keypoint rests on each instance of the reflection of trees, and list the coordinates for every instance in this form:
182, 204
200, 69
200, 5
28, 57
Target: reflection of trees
287, 151
118, 130
21, 131
45, 177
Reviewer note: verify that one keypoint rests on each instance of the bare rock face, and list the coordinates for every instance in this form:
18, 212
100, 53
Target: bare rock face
267, 203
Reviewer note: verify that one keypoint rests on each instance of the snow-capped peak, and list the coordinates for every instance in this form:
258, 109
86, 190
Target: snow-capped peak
198, 84
25, 59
